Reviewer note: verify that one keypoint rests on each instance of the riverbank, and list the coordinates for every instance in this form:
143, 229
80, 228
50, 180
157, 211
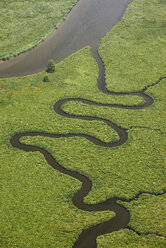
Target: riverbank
25, 24
74, 34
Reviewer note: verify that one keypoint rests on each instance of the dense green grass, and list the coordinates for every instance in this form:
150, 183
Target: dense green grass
140, 161
134, 51
138, 44
152, 117
36, 205
148, 214
129, 239
36, 201
26, 23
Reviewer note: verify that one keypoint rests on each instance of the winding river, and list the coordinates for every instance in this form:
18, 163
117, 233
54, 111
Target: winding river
87, 23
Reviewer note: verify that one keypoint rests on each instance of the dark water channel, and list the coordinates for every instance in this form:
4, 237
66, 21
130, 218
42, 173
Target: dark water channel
86, 24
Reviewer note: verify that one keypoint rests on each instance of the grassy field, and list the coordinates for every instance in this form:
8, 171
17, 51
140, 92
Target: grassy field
142, 211
36, 206
24, 24
129, 239
134, 51
36, 201
147, 216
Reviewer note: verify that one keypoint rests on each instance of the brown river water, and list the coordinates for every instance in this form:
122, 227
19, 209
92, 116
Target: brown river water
86, 24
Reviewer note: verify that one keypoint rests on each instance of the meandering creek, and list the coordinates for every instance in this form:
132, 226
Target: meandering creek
87, 23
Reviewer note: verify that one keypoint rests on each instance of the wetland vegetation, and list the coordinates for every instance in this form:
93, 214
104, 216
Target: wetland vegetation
24, 24
36, 207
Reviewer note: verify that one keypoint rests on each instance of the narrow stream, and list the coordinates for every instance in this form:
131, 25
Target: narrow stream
64, 47
87, 238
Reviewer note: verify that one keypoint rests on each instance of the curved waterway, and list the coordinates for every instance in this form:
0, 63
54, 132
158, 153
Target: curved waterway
87, 23
87, 238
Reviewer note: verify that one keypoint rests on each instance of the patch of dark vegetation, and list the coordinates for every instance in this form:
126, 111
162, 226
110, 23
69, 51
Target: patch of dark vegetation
45, 79
50, 66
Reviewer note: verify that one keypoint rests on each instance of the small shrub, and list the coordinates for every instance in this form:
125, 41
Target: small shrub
50, 66
45, 79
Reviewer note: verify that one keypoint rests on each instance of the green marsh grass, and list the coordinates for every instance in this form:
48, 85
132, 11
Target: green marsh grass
128, 239
36, 207
136, 166
36, 201
24, 24
134, 51
148, 214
